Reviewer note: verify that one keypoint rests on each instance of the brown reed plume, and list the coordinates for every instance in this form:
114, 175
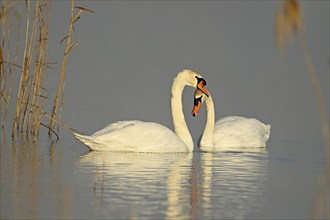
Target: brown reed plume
288, 23
32, 79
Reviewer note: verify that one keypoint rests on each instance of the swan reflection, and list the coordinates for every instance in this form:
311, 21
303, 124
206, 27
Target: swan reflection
233, 184
131, 185
178, 186
197, 185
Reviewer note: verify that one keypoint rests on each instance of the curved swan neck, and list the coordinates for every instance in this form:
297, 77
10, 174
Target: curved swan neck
179, 122
206, 141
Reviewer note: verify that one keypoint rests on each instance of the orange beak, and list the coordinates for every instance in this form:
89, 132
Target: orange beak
201, 87
196, 109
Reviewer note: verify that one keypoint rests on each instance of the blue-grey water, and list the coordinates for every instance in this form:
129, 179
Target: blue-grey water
122, 68
49, 180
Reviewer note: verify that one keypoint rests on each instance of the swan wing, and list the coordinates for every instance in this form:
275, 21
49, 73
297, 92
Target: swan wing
136, 136
114, 126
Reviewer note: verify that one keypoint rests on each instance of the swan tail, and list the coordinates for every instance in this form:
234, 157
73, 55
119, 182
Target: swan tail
267, 132
87, 140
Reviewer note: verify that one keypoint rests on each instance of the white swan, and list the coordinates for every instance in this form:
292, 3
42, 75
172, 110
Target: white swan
138, 136
229, 133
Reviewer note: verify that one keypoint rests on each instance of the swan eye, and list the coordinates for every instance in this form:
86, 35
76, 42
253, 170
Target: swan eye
200, 80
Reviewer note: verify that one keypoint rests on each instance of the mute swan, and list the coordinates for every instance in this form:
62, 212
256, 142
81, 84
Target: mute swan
229, 133
138, 136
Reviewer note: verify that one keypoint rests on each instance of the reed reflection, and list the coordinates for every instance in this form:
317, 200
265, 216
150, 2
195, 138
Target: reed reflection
28, 176
19, 175
137, 185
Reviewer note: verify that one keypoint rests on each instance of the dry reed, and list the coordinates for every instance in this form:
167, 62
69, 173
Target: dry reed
32, 75
14, 64
289, 22
68, 48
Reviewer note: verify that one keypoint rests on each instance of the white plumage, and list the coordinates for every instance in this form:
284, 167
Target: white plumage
138, 136
229, 133
134, 136
235, 131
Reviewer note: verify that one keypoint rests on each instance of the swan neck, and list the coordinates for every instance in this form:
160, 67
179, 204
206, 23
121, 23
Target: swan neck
207, 138
179, 122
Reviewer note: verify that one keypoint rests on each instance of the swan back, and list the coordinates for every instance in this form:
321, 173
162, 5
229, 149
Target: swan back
114, 126
235, 131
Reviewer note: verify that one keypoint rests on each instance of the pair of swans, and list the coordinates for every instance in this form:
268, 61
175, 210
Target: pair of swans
138, 136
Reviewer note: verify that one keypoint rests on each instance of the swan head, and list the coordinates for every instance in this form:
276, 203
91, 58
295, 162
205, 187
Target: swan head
195, 80
199, 98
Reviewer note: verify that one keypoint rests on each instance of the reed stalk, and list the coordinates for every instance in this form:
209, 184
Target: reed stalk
289, 22
4, 11
14, 65
1, 74
69, 46
63, 70
45, 19
22, 82
5, 72
32, 79
320, 204
38, 82
31, 76
35, 81
324, 121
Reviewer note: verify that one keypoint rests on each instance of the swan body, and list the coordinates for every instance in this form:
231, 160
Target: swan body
134, 136
232, 132
235, 131
138, 136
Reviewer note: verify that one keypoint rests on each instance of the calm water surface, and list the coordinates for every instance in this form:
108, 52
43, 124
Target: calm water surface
48, 180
